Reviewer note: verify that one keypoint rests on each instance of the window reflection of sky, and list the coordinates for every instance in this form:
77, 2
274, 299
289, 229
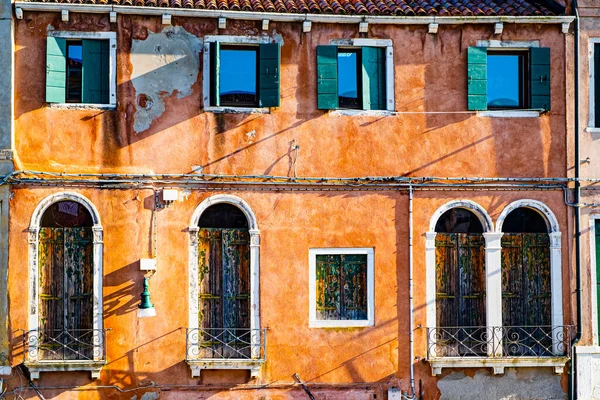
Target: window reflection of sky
503, 80
238, 71
347, 75
75, 53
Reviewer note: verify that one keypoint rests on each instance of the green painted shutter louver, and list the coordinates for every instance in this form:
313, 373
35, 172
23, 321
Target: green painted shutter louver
215, 69
539, 67
269, 63
327, 78
56, 70
477, 78
95, 54
373, 78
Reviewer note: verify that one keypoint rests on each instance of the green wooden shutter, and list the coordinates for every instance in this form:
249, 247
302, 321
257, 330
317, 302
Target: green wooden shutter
327, 78
95, 71
269, 62
477, 78
539, 67
215, 72
56, 70
373, 78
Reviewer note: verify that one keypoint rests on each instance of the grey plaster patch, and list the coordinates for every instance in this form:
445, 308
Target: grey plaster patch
164, 63
515, 384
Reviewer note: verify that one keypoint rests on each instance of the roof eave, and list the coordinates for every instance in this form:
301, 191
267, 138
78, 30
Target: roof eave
289, 17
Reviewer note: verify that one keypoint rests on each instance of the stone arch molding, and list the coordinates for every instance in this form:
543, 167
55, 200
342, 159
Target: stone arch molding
95, 365
196, 366
479, 211
541, 208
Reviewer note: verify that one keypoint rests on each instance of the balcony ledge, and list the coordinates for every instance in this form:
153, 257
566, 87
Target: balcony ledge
197, 365
497, 364
35, 367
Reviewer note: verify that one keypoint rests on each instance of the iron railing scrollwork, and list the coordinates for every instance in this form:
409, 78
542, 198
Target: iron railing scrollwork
226, 344
499, 341
65, 345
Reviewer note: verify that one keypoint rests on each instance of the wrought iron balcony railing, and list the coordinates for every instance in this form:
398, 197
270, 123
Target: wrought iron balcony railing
499, 342
226, 344
65, 345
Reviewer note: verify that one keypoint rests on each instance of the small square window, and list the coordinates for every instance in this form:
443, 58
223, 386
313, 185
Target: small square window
78, 70
241, 73
507, 80
341, 282
354, 77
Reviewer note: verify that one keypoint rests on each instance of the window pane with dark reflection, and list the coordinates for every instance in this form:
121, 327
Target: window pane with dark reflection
237, 81
504, 74
348, 80
74, 69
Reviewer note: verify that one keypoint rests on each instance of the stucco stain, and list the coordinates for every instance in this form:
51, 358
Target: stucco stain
163, 64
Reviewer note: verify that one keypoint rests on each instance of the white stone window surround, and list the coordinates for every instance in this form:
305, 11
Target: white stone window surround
112, 67
591, 126
593, 282
197, 366
207, 72
493, 268
389, 74
36, 366
313, 322
509, 45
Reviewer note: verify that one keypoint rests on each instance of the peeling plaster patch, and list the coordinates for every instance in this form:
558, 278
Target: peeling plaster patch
163, 63
150, 396
521, 384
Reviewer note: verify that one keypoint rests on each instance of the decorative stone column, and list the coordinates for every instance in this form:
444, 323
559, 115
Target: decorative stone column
558, 333
430, 290
493, 288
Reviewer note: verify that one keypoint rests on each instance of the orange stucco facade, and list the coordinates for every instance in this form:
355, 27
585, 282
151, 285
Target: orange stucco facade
432, 135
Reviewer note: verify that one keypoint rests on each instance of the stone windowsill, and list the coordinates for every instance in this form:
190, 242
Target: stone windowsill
592, 129
361, 113
82, 106
196, 366
237, 110
497, 364
35, 367
510, 113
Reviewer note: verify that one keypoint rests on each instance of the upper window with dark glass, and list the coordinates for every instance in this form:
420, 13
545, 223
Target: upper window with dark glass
349, 79
244, 75
507, 79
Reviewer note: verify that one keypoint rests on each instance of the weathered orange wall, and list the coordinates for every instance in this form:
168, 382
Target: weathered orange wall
430, 75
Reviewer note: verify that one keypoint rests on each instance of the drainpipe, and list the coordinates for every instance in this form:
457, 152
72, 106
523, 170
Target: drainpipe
572, 376
410, 292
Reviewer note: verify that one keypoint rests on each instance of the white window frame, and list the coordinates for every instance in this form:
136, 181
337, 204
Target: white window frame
112, 67
510, 45
207, 72
31, 357
591, 126
594, 292
312, 280
390, 105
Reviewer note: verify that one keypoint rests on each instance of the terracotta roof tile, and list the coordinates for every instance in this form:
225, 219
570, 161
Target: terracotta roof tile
349, 7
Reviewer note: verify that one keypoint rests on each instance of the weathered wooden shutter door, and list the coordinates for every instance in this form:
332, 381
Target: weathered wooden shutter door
471, 281
373, 78
56, 70
215, 73
446, 274
526, 285
95, 71
477, 78
327, 78
79, 291
539, 64
512, 279
268, 74
536, 264
210, 261
236, 278
328, 276
354, 287
51, 307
